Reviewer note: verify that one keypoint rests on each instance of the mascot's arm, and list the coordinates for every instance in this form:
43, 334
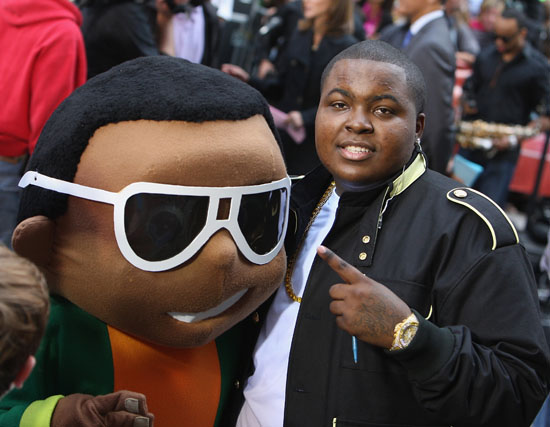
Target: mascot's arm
39, 413
120, 409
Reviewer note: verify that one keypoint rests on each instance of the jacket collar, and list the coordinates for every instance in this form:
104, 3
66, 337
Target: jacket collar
307, 191
409, 175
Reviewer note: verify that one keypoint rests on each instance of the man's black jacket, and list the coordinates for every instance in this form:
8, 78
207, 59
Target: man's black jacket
480, 360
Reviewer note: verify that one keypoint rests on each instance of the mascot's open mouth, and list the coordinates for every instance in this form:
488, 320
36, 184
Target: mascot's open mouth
195, 317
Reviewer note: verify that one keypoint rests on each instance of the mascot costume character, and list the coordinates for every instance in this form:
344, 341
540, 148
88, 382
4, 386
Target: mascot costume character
156, 204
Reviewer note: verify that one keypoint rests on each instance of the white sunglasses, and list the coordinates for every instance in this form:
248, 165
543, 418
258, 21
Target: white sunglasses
160, 226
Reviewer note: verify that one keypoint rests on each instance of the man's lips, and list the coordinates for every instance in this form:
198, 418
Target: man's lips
195, 317
355, 150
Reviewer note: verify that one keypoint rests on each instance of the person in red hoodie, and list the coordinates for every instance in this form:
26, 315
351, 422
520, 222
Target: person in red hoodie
42, 60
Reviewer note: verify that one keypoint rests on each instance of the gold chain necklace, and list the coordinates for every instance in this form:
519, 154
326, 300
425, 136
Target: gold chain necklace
291, 261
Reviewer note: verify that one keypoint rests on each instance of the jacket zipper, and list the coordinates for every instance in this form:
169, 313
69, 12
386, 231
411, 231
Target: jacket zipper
383, 209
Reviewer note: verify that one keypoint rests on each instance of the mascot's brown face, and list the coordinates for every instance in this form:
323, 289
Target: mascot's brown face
87, 267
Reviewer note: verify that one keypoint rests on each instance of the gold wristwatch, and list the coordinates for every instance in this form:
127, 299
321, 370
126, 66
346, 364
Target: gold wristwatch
404, 332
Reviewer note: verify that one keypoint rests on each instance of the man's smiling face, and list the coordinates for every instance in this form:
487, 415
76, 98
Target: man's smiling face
366, 123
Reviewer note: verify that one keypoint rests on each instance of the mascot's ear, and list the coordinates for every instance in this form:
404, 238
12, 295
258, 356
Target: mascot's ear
33, 239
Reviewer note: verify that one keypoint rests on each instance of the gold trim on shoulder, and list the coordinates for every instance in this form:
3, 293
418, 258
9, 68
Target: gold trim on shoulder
478, 213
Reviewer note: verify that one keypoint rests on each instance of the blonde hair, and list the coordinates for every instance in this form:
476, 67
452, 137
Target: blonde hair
491, 4
24, 309
339, 21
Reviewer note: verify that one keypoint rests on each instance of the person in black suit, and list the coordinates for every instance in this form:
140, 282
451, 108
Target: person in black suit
509, 85
189, 29
426, 39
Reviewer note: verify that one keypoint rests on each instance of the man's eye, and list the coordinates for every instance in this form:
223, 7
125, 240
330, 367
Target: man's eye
383, 111
338, 105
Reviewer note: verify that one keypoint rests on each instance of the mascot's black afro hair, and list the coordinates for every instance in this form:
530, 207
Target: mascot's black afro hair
151, 88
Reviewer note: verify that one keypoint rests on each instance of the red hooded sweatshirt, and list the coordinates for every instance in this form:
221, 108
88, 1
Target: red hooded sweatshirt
42, 60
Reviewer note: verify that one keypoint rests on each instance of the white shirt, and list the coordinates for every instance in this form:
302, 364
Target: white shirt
189, 35
225, 8
265, 391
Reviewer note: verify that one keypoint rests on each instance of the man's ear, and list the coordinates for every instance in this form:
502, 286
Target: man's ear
420, 123
24, 372
33, 239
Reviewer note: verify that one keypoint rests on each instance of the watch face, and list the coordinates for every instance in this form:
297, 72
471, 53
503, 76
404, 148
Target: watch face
407, 334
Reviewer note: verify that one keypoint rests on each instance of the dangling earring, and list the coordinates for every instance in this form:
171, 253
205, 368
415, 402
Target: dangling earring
419, 149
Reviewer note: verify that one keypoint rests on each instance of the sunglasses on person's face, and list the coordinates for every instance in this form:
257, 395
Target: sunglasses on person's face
160, 226
506, 39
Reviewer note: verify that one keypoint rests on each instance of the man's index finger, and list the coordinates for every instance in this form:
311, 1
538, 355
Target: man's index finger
346, 271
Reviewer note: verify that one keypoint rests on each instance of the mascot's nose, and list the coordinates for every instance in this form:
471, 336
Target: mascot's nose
220, 251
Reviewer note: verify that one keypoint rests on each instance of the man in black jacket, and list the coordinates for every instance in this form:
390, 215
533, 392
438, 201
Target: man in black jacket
428, 314
510, 81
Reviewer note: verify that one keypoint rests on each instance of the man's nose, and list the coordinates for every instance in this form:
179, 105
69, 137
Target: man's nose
359, 121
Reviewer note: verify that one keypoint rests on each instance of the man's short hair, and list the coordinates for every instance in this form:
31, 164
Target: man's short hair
379, 51
24, 308
518, 15
158, 88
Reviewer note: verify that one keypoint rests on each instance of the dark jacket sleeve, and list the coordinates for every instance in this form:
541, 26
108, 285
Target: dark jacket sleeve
472, 83
270, 86
491, 367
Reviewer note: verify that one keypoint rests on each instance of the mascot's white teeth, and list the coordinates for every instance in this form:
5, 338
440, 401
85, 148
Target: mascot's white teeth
196, 317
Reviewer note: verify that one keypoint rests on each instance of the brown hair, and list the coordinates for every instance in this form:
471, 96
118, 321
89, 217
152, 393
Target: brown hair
24, 309
339, 21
